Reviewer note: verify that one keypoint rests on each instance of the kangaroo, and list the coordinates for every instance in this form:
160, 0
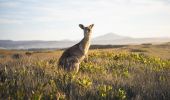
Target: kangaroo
73, 56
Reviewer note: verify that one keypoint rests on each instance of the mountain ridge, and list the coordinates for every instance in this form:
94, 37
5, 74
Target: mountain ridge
110, 35
106, 39
122, 40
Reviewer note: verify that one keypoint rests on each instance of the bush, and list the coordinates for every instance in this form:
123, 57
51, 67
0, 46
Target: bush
17, 56
28, 53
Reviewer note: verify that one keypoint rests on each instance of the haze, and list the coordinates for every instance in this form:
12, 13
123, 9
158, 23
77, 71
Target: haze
59, 19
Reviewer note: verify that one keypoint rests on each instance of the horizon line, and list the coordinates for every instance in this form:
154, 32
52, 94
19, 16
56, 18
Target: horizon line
81, 38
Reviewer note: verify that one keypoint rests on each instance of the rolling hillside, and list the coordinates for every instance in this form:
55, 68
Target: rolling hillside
107, 39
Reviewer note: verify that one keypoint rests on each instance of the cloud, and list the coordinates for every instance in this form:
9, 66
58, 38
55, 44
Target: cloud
9, 21
9, 4
48, 11
122, 16
77, 9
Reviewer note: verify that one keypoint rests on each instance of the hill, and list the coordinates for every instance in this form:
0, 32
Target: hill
107, 39
9, 44
114, 39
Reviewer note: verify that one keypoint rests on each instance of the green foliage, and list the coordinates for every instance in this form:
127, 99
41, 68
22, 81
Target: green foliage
108, 75
85, 82
121, 95
104, 90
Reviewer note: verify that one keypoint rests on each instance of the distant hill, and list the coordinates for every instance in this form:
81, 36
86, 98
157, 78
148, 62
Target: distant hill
114, 39
107, 39
110, 36
8, 44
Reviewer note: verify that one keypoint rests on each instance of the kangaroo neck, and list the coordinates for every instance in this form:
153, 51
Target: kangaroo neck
85, 44
86, 40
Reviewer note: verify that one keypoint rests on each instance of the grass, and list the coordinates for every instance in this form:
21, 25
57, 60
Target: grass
109, 74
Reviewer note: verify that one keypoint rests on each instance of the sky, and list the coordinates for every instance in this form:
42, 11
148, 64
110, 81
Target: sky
59, 19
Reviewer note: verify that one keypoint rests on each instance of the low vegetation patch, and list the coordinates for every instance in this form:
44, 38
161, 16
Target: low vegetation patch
108, 75
138, 50
17, 56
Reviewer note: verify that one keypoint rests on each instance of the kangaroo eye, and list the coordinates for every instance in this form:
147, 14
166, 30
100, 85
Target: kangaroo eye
88, 30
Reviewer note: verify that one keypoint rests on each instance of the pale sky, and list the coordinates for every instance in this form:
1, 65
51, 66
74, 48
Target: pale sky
59, 19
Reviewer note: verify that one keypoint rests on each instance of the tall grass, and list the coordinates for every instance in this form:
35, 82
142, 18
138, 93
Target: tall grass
108, 75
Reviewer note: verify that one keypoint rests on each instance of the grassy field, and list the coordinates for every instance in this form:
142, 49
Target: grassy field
131, 72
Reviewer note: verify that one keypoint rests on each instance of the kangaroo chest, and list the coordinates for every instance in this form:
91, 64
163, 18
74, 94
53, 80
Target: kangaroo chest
84, 48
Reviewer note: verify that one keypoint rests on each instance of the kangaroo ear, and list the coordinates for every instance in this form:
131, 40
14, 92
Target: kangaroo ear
81, 26
91, 26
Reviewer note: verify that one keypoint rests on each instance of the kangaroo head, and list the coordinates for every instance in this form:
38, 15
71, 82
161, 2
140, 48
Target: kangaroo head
87, 30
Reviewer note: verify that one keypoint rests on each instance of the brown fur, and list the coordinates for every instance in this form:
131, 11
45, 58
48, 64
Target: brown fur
73, 56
